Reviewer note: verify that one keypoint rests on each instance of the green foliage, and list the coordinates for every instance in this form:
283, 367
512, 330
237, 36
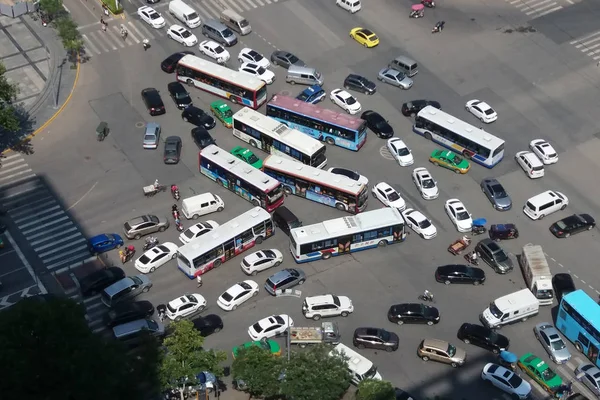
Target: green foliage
185, 357
113, 6
372, 389
315, 375
70, 37
8, 93
259, 370
51, 7
49, 352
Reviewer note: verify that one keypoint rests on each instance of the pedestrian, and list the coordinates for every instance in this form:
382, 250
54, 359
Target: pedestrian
199, 280
146, 44
104, 27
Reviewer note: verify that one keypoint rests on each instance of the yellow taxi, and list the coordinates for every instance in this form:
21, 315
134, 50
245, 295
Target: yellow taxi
364, 36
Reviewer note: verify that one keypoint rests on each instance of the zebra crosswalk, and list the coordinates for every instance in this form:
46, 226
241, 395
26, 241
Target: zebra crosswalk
589, 45
40, 217
536, 8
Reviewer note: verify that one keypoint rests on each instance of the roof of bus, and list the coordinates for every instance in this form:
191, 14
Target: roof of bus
239, 78
581, 302
289, 136
470, 132
224, 232
347, 225
315, 111
238, 167
336, 181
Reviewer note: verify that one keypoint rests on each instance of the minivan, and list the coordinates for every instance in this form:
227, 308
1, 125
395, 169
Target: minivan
532, 165
133, 330
303, 75
545, 203
360, 367
202, 204
218, 32
284, 279
184, 13
236, 22
405, 64
285, 219
349, 5
126, 288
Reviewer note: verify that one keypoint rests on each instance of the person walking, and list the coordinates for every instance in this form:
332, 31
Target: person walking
199, 280
146, 44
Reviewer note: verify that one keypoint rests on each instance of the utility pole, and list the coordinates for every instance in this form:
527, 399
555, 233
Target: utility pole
288, 293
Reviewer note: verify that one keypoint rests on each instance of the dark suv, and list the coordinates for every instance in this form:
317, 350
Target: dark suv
375, 338
494, 255
413, 313
359, 84
483, 337
153, 102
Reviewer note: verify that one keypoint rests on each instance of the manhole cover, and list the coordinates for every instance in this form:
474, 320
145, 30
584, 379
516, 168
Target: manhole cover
285, 92
139, 124
385, 153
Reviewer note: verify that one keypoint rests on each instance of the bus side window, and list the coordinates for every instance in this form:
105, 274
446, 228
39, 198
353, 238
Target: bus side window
259, 229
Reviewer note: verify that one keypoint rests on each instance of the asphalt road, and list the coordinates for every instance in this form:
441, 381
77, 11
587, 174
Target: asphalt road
539, 86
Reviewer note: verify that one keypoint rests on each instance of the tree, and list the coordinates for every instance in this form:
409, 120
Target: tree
315, 375
51, 7
70, 37
185, 357
259, 370
8, 93
49, 352
373, 389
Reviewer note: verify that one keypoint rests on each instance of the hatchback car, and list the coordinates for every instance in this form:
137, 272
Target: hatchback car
153, 102
591, 377
202, 138
345, 101
181, 35
197, 230
253, 56
572, 224
400, 151
482, 111
169, 64
419, 223
172, 151
459, 215
260, 260
237, 295
425, 183
375, 338
198, 117
379, 125
151, 135
413, 313
125, 289
312, 94
186, 305
562, 284
270, 326
150, 16
530, 164
348, 173
97, 281
413, 107
364, 36
483, 337
137, 227
208, 325
389, 196
127, 312
441, 351
156, 257
449, 160
180, 96
458, 273
215, 51
359, 83
395, 78
496, 194
284, 279
506, 380
259, 72
544, 151
551, 341
494, 255
285, 59
104, 242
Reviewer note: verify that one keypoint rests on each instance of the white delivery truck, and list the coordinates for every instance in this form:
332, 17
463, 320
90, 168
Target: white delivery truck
536, 272
517, 306
327, 333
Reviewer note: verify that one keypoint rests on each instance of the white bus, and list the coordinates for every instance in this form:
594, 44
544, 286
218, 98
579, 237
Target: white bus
473, 143
238, 87
271, 136
318, 185
368, 230
225, 242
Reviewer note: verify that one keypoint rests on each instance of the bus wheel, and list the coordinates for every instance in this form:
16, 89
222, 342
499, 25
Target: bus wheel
190, 82
330, 141
579, 347
427, 135
326, 256
253, 144
233, 100
287, 190
259, 240
256, 203
217, 264
340, 206
382, 243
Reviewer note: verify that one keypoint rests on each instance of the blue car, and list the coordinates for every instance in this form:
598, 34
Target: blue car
312, 94
104, 242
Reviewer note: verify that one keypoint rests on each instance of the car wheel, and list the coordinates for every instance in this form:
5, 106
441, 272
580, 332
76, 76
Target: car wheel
316, 317
346, 87
137, 237
380, 78
457, 171
255, 294
253, 143
589, 228
348, 111
466, 341
344, 314
364, 44
424, 358
255, 202
361, 346
234, 307
240, 61
476, 283
277, 264
389, 349
429, 323
146, 289
563, 207
217, 264
301, 282
382, 243
177, 319
259, 240
253, 273
454, 365
292, 82
436, 163
496, 351
400, 322
217, 330
481, 119
340, 206
219, 209
184, 119
326, 256
121, 244
152, 269
162, 229
447, 282
541, 216
567, 235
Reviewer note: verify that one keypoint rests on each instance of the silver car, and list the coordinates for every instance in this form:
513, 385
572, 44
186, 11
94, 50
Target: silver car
552, 342
137, 227
590, 378
496, 194
151, 135
395, 78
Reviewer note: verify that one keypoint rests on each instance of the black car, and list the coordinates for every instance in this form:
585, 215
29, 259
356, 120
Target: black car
170, 63
172, 150
413, 107
413, 313
375, 338
285, 59
457, 273
483, 337
348, 173
208, 325
198, 117
359, 84
180, 96
378, 124
127, 312
571, 225
99, 280
202, 138
153, 102
402, 395
562, 284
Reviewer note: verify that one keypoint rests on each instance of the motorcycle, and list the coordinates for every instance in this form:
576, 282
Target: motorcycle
175, 192
426, 296
175, 212
428, 3
478, 226
417, 11
472, 258
439, 26
179, 225
127, 254
150, 243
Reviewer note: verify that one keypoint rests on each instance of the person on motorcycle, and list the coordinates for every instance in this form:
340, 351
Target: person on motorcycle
156, 185
466, 240
473, 256
427, 295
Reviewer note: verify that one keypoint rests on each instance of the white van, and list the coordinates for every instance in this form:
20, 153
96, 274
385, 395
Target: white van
184, 13
206, 203
545, 203
517, 306
349, 5
360, 367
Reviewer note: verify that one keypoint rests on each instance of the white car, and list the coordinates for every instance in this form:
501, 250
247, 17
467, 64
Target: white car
345, 100
327, 305
425, 183
185, 305
419, 223
544, 151
156, 257
197, 230
261, 260
150, 16
237, 294
458, 214
400, 152
214, 50
506, 380
270, 326
481, 110
256, 70
248, 55
388, 196
348, 173
181, 35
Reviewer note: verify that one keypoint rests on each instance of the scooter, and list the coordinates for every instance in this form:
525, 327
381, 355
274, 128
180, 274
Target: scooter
127, 254
417, 11
150, 243
470, 259
438, 27
179, 225
426, 296
175, 192
175, 212
428, 3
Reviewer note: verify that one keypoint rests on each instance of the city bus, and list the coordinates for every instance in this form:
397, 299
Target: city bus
318, 185
473, 143
325, 125
242, 179
238, 87
368, 230
271, 136
225, 242
578, 319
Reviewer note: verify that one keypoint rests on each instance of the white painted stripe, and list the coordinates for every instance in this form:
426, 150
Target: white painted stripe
145, 32
31, 207
41, 219
45, 212
260, 3
105, 37
62, 239
89, 44
268, 1
213, 9
115, 36
515, 1
65, 221
535, 6
61, 251
48, 198
130, 34
19, 161
585, 38
95, 297
11, 156
233, 3
204, 14
540, 9
529, 3
275, 1
4, 170
548, 11
251, 3
520, 5
17, 182
37, 186
588, 48
51, 237
66, 262
25, 263
27, 171
100, 41
588, 42
81, 250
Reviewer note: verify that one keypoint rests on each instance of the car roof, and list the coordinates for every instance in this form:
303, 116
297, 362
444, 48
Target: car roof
152, 126
436, 344
173, 139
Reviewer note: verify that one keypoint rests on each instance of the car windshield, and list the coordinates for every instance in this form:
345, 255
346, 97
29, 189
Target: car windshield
500, 256
393, 196
495, 310
403, 151
350, 100
515, 381
371, 372
498, 190
186, 34
228, 114
292, 59
558, 345
561, 224
252, 159
181, 95
149, 137
424, 224
462, 215
548, 374
451, 350
226, 296
144, 259
428, 183
154, 16
219, 50
261, 70
189, 234
385, 336
456, 160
